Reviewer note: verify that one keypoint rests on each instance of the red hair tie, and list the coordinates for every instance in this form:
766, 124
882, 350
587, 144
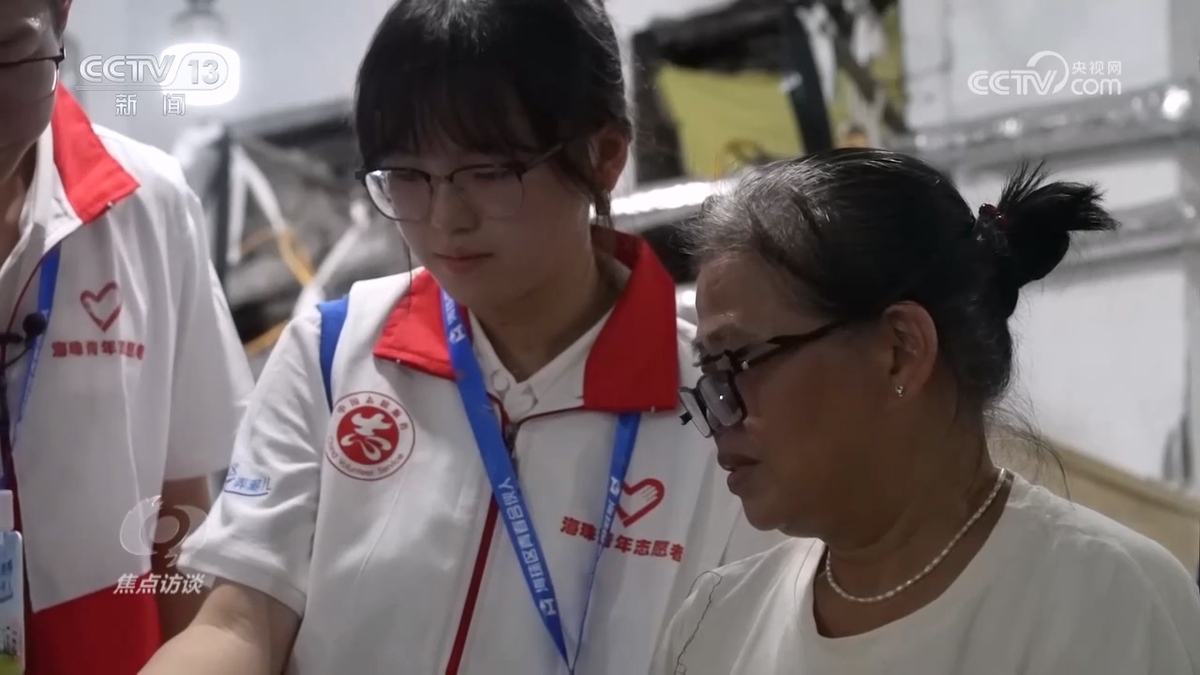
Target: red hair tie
992, 213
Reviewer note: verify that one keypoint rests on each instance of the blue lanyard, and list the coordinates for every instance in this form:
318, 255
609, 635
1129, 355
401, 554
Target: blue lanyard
507, 489
47, 283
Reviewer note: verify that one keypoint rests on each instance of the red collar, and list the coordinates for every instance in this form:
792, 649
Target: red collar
92, 179
633, 367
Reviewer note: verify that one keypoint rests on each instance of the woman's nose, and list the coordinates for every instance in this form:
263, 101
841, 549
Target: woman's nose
449, 211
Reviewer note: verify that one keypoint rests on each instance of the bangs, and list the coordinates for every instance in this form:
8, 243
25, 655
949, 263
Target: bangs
417, 110
468, 74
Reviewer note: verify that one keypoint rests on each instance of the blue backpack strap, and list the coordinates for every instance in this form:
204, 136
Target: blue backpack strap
333, 317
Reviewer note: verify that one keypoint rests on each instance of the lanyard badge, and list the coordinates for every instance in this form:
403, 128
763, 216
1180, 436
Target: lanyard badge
12, 592
12, 602
12, 545
506, 487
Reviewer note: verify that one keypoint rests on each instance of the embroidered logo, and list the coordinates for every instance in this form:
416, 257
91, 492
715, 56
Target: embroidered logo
238, 482
371, 436
104, 305
640, 499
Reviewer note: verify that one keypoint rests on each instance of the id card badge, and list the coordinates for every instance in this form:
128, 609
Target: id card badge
12, 603
12, 591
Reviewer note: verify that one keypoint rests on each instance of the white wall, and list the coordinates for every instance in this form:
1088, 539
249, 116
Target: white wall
1100, 359
306, 51
1102, 351
947, 40
294, 54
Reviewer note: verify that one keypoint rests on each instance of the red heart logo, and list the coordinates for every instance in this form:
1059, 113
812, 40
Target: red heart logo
642, 498
104, 306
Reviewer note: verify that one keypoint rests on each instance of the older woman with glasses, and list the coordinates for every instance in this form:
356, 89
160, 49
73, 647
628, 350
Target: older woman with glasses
477, 467
853, 332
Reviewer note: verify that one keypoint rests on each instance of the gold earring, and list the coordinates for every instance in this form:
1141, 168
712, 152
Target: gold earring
900, 390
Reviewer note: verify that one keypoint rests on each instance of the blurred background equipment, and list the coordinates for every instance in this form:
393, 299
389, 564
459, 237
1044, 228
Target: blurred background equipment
782, 78
200, 23
290, 225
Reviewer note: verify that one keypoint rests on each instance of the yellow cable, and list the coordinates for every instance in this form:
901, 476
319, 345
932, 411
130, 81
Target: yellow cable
257, 239
294, 256
298, 262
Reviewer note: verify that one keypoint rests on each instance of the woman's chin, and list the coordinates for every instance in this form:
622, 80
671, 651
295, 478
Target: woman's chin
762, 512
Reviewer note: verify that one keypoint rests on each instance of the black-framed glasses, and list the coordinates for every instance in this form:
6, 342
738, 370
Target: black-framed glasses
493, 190
57, 59
30, 82
715, 402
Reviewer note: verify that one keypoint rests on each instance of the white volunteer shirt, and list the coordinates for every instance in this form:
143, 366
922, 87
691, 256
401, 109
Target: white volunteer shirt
1056, 590
141, 379
401, 564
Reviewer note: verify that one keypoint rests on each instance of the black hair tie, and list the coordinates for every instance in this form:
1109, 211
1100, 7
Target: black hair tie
993, 214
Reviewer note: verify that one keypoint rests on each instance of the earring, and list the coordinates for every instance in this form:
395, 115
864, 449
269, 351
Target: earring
900, 390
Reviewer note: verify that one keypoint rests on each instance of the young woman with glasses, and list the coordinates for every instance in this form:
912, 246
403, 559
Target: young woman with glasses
854, 336
498, 482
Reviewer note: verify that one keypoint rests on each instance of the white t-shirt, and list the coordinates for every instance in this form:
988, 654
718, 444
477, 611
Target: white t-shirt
1056, 590
397, 560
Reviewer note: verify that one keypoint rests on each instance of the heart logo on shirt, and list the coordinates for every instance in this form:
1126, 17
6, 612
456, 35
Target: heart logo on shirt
640, 498
104, 306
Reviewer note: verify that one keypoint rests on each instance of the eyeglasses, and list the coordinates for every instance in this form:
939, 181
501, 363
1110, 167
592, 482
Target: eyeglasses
715, 402
29, 82
492, 190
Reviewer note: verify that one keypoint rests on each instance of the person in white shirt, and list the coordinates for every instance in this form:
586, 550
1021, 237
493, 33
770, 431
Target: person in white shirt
124, 377
488, 475
853, 329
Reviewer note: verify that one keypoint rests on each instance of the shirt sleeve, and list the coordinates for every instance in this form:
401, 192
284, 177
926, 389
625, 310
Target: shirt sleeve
1140, 622
212, 378
260, 530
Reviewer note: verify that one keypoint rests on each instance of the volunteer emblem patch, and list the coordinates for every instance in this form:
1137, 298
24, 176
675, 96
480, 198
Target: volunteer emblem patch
371, 436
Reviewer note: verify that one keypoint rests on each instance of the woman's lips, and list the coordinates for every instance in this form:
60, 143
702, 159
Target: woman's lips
741, 469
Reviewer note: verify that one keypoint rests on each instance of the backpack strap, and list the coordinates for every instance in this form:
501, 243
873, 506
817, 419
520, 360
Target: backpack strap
333, 317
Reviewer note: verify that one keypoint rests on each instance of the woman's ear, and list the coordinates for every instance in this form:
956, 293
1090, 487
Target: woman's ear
913, 346
609, 152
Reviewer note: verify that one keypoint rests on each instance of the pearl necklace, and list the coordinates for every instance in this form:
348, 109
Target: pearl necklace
928, 568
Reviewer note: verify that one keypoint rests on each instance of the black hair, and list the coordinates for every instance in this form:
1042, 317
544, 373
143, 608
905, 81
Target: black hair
856, 230
469, 71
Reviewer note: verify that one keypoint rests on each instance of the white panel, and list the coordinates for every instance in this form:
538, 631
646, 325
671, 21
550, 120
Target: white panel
306, 55
1101, 356
1129, 180
947, 40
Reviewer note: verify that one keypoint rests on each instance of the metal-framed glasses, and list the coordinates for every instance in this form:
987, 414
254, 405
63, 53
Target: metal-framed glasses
492, 190
23, 80
715, 402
